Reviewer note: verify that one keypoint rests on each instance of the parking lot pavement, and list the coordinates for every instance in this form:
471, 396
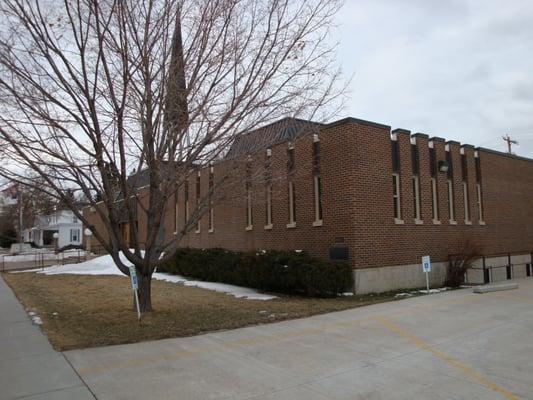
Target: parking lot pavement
452, 345
29, 367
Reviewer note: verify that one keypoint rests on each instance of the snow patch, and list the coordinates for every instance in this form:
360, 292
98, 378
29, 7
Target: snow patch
104, 265
432, 291
403, 295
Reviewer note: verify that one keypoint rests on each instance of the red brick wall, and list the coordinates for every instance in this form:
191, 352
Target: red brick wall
356, 172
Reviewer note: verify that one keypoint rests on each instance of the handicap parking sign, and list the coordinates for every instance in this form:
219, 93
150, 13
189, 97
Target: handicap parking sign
426, 264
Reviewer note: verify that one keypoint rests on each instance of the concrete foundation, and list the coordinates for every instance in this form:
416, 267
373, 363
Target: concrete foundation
384, 279
497, 267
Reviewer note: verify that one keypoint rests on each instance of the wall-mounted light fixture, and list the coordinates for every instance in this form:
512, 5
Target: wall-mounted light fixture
444, 166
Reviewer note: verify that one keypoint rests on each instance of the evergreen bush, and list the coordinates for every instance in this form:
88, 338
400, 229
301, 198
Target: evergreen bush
288, 272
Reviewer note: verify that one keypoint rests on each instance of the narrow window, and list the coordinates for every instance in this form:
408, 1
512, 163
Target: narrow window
415, 164
479, 203
395, 158
74, 219
186, 202
451, 206
176, 213
396, 196
198, 192
449, 184
74, 235
317, 181
248, 189
466, 197
268, 189
434, 199
416, 198
291, 189
467, 205
211, 186
290, 159
292, 205
268, 206
479, 193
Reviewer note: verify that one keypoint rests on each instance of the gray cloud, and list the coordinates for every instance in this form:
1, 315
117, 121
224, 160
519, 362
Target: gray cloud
462, 70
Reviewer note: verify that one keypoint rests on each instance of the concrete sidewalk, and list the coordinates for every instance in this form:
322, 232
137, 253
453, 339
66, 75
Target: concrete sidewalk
452, 345
29, 367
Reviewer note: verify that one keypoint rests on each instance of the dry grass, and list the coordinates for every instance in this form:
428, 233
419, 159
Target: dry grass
97, 310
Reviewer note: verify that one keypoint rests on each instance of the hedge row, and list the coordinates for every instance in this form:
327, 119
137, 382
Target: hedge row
274, 271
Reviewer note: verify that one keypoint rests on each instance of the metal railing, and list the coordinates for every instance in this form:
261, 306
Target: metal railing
31, 260
489, 271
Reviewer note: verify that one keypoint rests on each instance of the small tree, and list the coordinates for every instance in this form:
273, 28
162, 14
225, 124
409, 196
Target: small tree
94, 89
461, 262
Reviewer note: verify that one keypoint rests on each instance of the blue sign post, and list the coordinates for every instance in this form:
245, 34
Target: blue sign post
426, 267
135, 287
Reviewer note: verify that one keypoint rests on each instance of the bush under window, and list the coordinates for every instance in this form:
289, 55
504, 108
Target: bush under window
287, 272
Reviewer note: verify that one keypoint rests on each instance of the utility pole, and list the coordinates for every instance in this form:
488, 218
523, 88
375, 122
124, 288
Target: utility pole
510, 142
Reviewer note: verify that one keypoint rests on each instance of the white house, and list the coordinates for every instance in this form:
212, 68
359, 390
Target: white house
64, 222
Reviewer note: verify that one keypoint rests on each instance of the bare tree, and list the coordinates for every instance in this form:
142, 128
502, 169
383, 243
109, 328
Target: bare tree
93, 89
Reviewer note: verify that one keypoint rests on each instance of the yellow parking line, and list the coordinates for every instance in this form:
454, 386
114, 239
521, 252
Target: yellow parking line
263, 339
444, 358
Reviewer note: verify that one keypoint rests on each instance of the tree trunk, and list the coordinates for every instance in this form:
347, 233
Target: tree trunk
145, 293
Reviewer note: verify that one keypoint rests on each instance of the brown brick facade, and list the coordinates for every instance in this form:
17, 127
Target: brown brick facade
356, 176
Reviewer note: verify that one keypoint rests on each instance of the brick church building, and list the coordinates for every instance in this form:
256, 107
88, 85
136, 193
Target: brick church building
359, 192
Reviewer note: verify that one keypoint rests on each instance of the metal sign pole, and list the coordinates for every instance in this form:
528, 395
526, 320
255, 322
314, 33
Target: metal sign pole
426, 267
137, 303
135, 287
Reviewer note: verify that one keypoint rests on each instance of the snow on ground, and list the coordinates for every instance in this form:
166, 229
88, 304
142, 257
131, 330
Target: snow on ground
104, 265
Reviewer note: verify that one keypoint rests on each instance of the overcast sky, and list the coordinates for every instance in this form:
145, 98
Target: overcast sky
458, 69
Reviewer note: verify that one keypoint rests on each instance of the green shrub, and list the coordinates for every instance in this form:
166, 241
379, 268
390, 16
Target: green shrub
287, 272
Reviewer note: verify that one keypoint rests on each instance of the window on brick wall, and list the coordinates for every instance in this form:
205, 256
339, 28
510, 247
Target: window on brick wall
451, 205
317, 181
211, 186
479, 203
416, 198
186, 201
395, 159
466, 202
248, 191
434, 188
268, 189
434, 199
198, 193
466, 197
396, 196
479, 193
176, 211
291, 164
415, 165
291, 195
292, 204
